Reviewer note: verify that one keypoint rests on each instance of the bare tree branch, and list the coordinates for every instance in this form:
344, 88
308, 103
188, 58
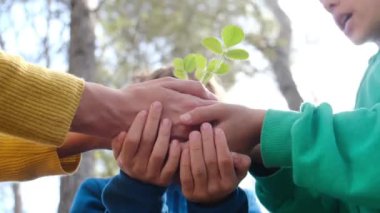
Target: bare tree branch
100, 4
45, 40
2, 43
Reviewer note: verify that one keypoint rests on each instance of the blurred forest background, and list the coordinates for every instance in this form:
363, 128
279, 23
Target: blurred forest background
111, 41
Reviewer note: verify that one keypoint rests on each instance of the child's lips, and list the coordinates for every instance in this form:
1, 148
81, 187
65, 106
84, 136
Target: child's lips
342, 19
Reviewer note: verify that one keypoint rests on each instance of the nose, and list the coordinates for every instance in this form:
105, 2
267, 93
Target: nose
330, 5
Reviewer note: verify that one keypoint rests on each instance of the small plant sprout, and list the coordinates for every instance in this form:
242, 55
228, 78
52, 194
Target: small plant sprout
224, 49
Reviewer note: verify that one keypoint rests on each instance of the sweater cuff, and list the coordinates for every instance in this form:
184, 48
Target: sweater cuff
69, 164
22, 160
276, 141
237, 201
137, 187
274, 182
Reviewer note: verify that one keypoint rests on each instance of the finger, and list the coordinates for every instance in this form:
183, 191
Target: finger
225, 161
150, 133
209, 152
202, 114
132, 141
198, 167
186, 177
160, 149
241, 164
117, 144
190, 87
184, 145
171, 165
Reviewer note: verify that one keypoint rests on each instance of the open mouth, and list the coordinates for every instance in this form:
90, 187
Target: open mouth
343, 19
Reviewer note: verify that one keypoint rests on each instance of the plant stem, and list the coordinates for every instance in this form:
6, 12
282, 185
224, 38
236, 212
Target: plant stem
204, 80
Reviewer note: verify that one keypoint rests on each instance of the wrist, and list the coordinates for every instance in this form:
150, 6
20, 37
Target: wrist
97, 113
255, 125
257, 166
76, 143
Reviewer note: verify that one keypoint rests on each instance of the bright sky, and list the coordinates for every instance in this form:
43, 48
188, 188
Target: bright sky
326, 68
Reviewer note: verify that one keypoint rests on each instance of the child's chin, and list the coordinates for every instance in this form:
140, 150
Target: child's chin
358, 39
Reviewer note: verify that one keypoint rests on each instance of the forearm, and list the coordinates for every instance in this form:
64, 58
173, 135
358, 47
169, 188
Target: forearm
101, 112
76, 143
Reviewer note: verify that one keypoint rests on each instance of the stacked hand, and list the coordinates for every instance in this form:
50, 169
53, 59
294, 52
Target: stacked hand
105, 112
241, 125
209, 172
142, 152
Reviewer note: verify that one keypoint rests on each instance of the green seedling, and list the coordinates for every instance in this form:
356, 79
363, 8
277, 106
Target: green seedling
224, 50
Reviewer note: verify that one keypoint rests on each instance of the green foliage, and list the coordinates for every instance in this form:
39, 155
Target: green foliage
231, 36
213, 44
189, 63
237, 54
142, 35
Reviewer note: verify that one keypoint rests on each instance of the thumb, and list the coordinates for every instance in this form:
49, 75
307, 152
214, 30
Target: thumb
117, 143
241, 164
201, 114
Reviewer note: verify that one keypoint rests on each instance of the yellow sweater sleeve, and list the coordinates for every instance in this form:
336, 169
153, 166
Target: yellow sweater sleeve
21, 160
36, 103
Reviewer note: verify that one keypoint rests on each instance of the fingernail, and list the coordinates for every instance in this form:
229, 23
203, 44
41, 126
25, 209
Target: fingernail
206, 126
185, 117
157, 104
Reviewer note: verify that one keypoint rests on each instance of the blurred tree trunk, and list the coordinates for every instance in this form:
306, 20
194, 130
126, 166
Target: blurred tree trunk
17, 198
280, 60
81, 63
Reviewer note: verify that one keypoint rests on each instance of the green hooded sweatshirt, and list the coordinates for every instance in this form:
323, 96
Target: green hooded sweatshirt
329, 162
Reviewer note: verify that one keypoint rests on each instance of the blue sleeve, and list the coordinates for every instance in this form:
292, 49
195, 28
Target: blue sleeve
236, 202
88, 196
130, 195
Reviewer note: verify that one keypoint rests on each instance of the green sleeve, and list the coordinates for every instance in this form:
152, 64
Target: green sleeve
279, 194
332, 154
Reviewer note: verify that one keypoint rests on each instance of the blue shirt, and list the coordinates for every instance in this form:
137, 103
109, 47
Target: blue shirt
124, 194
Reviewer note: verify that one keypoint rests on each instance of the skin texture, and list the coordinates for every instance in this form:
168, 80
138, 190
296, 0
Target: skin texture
364, 25
76, 143
105, 112
142, 153
209, 172
241, 125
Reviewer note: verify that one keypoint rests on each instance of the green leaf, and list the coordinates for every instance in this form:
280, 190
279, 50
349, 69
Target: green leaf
178, 64
213, 65
232, 35
189, 63
201, 61
213, 44
180, 74
237, 54
223, 69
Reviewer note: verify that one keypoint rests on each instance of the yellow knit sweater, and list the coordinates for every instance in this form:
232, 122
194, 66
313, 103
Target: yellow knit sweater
37, 106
